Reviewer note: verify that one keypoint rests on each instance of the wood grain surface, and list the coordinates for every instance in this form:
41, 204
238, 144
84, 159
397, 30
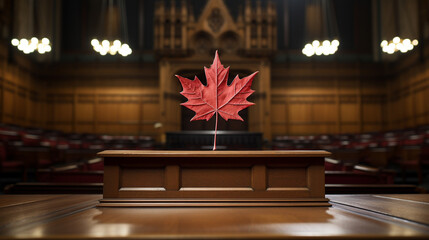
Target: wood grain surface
411, 207
76, 217
155, 153
24, 210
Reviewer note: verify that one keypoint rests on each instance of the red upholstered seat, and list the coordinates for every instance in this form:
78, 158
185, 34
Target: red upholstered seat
11, 165
411, 159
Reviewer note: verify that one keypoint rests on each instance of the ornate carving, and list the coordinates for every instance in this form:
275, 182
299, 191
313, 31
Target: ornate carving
215, 20
177, 32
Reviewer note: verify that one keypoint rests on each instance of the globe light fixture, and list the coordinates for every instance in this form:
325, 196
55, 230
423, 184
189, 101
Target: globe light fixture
321, 48
34, 44
113, 30
398, 45
321, 28
111, 47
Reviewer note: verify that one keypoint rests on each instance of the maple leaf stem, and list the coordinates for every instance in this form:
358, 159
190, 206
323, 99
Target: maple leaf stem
214, 145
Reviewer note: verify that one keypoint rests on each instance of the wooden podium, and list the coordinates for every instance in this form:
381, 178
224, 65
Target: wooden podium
213, 178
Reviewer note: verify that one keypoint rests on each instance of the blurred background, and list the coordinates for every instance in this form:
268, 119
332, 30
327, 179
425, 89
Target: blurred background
78, 77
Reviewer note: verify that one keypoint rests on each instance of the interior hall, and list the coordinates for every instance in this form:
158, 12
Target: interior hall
79, 77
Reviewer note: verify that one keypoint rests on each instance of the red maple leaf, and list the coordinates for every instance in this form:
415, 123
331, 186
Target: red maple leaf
217, 97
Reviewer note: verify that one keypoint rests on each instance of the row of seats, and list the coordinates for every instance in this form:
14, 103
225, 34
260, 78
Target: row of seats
405, 137
89, 171
24, 149
407, 149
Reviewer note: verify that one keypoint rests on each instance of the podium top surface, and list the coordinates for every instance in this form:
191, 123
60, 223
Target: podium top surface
211, 154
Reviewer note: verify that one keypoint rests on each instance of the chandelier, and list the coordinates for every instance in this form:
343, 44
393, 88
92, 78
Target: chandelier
30, 29
111, 47
321, 25
115, 24
28, 46
400, 15
398, 44
326, 48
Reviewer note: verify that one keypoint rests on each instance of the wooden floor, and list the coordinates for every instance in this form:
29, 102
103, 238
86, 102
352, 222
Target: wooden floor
78, 217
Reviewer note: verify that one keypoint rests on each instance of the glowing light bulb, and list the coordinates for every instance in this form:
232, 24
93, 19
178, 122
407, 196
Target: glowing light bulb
326, 43
415, 42
15, 42
95, 42
316, 43
45, 41
396, 40
117, 43
23, 41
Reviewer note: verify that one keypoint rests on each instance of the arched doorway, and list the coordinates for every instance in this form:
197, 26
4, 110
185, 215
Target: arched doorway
230, 125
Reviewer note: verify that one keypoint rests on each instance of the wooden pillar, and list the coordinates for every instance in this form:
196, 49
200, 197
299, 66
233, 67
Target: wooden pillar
264, 101
169, 104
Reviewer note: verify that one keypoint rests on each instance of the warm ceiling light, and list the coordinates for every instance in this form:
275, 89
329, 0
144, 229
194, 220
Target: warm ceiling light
28, 46
111, 47
326, 48
398, 44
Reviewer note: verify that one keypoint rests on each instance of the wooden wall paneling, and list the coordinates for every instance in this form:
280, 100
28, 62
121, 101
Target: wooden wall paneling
74, 106
409, 109
84, 108
263, 83
359, 100
63, 105
129, 112
349, 112
398, 104
390, 118
325, 117
34, 109
425, 100
278, 117
300, 116
95, 111
107, 114
140, 117
337, 107
9, 101
420, 91
150, 115
2, 70
372, 117
373, 100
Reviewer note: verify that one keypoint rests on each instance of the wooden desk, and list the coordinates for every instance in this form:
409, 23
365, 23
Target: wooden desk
207, 178
350, 217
